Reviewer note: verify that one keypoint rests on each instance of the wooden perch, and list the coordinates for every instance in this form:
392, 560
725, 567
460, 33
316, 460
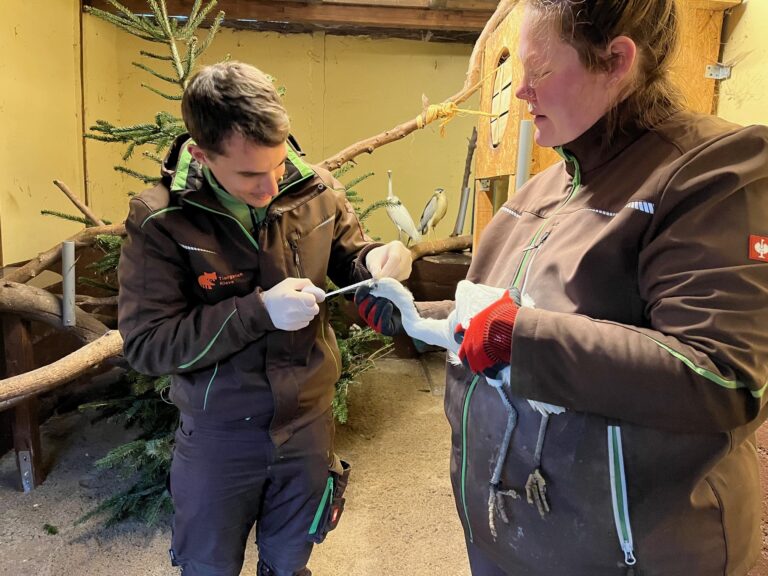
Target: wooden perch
87, 212
452, 244
45, 260
402, 130
16, 389
33, 303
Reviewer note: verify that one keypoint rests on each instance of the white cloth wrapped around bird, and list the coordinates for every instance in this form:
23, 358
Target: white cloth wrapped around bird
470, 299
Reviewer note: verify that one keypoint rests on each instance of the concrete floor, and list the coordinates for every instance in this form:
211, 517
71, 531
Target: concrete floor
400, 518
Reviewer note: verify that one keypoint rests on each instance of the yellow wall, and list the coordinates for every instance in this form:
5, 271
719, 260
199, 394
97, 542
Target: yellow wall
338, 90
40, 121
743, 97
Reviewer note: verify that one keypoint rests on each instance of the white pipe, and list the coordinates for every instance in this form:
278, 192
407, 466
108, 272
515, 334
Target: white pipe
68, 283
524, 153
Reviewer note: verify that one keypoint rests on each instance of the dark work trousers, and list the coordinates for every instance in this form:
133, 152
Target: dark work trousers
480, 564
227, 476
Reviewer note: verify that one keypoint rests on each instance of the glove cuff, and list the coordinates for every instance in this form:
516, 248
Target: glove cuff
497, 336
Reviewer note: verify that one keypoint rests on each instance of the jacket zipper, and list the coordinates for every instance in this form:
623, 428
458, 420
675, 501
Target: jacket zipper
248, 235
541, 235
464, 422
296, 258
619, 494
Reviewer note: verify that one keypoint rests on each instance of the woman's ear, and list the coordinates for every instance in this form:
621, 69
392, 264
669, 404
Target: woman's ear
622, 53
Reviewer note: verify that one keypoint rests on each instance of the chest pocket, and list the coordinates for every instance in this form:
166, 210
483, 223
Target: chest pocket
311, 251
214, 278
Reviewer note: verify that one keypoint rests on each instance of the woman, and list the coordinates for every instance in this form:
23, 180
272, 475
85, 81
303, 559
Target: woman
642, 265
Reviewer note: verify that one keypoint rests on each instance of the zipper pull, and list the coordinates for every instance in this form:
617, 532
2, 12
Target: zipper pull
629, 556
539, 242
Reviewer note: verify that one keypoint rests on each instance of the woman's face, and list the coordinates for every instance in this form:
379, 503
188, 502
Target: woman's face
564, 97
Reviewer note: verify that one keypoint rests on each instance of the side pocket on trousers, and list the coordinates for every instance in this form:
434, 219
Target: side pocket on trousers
331, 504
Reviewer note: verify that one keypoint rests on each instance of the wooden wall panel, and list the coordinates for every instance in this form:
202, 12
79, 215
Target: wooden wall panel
699, 46
701, 25
490, 161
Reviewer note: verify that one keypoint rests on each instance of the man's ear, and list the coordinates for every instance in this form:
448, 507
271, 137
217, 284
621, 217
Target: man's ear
198, 154
622, 53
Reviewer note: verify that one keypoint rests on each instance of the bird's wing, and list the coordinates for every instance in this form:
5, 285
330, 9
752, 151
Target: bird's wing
426, 214
401, 218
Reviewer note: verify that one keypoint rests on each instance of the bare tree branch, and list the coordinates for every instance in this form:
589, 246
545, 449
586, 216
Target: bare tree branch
33, 303
49, 258
452, 244
87, 212
402, 130
17, 388
93, 301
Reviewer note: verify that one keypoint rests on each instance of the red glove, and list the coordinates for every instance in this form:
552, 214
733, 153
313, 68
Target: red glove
486, 346
378, 312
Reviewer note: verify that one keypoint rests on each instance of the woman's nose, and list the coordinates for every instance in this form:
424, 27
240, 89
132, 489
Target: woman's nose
524, 91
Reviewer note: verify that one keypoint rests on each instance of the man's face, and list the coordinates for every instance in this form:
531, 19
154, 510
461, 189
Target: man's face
248, 171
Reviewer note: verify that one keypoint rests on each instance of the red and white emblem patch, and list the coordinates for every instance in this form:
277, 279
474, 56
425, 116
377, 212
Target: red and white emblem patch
758, 248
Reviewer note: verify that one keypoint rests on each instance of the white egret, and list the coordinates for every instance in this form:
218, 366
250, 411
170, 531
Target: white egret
399, 215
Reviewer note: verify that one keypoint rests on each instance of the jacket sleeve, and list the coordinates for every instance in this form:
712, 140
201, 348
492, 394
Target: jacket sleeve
701, 362
350, 243
164, 330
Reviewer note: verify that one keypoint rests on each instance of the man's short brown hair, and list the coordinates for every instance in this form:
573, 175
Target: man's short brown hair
233, 97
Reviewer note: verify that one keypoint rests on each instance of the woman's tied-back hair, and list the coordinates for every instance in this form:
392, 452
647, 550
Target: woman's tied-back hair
653, 25
233, 97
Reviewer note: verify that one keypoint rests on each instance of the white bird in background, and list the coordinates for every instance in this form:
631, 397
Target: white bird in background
433, 211
470, 299
399, 215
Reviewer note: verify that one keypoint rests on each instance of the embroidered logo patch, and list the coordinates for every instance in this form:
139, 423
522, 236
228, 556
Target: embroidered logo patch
758, 247
207, 280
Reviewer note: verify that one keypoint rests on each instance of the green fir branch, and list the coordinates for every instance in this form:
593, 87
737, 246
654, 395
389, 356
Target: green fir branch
212, 31
146, 178
156, 74
65, 216
155, 56
356, 181
371, 208
83, 281
161, 93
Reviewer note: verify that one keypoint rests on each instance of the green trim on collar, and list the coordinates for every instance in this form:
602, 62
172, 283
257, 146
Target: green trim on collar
182, 167
303, 168
237, 208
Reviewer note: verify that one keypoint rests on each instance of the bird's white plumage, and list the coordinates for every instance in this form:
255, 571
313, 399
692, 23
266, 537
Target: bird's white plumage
470, 299
399, 214
433, 212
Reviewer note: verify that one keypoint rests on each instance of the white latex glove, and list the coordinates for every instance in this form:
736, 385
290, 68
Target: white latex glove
393, 260
292, 303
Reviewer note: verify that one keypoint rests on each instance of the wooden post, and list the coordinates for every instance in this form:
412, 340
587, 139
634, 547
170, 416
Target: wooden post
25, 421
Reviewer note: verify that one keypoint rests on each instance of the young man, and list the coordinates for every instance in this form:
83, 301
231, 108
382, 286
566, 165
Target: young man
220, 286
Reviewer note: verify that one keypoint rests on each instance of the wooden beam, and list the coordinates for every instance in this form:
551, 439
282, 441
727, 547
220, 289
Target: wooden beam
718, 5
26, 427
328, 15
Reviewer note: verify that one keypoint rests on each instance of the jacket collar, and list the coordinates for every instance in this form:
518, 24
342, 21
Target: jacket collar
597, 147
185, 178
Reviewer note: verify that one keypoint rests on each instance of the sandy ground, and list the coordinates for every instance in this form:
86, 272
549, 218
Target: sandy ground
400, 518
